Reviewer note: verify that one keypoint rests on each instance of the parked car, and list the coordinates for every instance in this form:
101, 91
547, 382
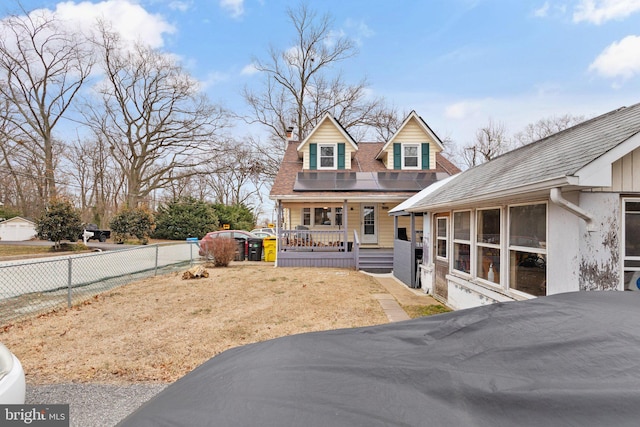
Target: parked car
263, 234
12, 381
239, 235
264, 230
559, 360
97, 234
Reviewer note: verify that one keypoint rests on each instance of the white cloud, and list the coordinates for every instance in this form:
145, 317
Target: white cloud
235, 7
600, 11
212, 79
127, 18
619, 60
179, 5
249, 70
543, 11
463, 109
359, 29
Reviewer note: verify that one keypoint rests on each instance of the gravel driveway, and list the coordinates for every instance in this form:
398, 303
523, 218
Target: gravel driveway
93, 404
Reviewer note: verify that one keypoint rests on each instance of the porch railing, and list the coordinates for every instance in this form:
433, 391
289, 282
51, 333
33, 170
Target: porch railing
313, 241
356, 249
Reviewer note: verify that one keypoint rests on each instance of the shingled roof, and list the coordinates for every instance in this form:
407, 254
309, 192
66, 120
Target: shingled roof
577, 157
364, 161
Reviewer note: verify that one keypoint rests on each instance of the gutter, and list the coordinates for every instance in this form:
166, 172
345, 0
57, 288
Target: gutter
556, 197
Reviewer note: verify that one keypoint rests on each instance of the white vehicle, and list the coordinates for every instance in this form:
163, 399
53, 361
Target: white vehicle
264, 230
12, 381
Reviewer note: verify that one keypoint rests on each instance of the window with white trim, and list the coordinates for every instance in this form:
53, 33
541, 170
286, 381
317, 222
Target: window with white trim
306, 216
488, 244
528, 249
321, 216
410, 156
631, 244
442, 234
462, 241
327, 156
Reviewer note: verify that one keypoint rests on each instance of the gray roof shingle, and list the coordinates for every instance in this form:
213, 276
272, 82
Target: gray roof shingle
557, 156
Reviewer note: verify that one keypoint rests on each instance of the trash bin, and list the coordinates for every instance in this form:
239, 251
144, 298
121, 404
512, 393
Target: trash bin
255, 249
269, 248
241, 250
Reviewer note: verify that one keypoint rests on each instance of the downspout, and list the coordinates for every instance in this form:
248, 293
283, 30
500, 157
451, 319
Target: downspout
556, 197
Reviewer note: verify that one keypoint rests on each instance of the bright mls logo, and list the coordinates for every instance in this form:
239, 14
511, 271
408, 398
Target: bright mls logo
35, 415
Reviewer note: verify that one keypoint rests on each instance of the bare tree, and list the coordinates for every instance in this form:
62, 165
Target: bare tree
301, 84
157, 125
239, 179
42, 68
95, 175
545, 127
490, 141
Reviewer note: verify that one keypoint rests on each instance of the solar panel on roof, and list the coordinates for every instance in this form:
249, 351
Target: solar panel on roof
363, 181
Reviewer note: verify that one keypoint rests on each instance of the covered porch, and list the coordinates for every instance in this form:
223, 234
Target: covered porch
346, 234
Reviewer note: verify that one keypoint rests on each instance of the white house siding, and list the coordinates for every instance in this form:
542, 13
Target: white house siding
626, 177
563, 243
464, 294
599, 266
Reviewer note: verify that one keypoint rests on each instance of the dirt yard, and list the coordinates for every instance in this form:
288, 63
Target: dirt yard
158, 329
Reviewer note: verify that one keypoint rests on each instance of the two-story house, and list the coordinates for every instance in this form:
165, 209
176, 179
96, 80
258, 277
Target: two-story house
333, 193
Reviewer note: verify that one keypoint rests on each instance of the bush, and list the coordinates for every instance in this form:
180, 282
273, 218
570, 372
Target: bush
60, 221
239, 217
186, 217
137, 222
222, 250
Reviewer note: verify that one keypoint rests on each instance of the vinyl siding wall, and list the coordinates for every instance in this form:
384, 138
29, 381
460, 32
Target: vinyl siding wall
327, 133
626, 173
411, 133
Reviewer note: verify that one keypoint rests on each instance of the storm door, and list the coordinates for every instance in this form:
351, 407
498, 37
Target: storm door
369, 224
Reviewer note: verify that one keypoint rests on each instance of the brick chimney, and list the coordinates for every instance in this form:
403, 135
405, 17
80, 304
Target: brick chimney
289, 133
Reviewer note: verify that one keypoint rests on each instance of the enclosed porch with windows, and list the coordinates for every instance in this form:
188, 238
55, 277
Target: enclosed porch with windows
487, 254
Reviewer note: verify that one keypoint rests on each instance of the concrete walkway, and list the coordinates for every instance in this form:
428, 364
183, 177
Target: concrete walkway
398, 294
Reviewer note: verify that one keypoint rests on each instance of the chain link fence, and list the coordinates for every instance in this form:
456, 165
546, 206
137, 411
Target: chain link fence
32, 287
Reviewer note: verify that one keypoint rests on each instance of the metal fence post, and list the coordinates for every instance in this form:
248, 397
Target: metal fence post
155, 272
69, 275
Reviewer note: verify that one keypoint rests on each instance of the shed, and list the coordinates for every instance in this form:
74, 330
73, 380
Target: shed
17, 229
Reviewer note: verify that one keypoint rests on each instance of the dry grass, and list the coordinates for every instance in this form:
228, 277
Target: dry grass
158, 329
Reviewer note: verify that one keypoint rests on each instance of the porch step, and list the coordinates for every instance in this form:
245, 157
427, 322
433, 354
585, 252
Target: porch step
376, 260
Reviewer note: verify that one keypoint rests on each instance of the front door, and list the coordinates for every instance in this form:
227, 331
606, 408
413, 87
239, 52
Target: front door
369, 223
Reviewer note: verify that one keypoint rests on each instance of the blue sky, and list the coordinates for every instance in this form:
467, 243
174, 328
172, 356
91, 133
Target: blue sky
458, 63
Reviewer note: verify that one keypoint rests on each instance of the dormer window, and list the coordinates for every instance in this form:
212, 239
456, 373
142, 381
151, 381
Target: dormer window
327, 156
410, 156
